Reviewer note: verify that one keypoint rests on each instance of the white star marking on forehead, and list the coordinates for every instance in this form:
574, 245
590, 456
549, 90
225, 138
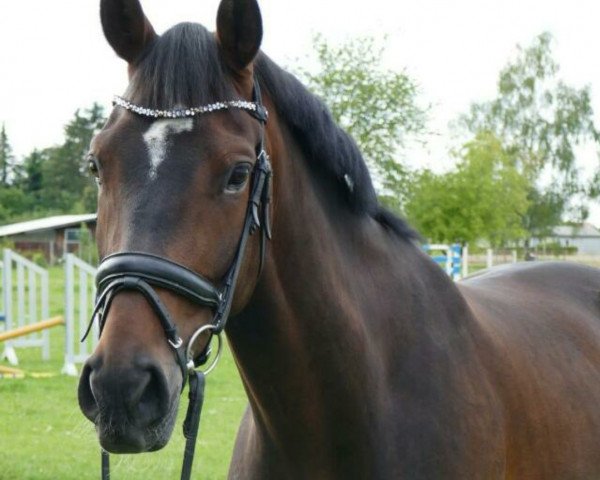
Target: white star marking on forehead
157, 139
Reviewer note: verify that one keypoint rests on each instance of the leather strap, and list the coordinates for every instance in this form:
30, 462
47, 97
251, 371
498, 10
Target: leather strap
159, 272
192, 421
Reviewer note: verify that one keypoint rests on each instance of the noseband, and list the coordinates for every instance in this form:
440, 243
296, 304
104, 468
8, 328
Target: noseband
142, 272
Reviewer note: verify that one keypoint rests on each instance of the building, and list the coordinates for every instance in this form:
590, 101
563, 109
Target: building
52, 236
585, 237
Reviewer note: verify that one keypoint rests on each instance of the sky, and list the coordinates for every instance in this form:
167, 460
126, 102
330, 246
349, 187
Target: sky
54, 58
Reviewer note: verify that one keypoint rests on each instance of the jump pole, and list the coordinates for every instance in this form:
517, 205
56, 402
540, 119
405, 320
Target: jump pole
34, 327
10, 372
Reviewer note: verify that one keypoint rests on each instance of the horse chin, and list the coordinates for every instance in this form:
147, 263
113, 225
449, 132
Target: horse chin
130, 439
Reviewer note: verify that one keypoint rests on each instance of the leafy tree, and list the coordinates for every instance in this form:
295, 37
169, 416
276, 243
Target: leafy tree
64, 172
6, 158
29, 174
377, 107
483, 198
13, 204
541, 120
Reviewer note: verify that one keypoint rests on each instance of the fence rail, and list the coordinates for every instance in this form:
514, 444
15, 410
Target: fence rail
25, 303
80, 292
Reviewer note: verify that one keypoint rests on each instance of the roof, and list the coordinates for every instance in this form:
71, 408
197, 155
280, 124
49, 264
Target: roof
48, 223
577, 231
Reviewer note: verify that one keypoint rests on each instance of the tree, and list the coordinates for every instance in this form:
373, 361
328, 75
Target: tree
6, 158
65, 180
377, 107
29, 174
541, 120
483, 198
13, 204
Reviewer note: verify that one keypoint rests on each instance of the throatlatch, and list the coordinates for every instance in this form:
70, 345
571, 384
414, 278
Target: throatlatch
142, 272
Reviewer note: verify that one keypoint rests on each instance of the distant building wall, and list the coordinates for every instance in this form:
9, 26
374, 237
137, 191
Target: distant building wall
50, 243
586, 238
585, 246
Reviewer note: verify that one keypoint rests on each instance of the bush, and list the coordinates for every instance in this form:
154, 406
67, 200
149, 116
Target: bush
556, 249
39, 259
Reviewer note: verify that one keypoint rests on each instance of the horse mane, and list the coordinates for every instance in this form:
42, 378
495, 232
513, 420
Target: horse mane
183, 67
327, 147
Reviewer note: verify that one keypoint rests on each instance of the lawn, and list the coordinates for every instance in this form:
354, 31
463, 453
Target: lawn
43, 435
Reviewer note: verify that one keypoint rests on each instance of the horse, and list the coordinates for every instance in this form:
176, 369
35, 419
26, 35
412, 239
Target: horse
359, 356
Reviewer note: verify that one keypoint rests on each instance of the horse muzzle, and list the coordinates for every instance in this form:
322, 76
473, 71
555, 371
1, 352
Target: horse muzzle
133, 407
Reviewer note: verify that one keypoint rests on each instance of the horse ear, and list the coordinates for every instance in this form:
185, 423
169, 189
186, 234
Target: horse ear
239, 31
126, 28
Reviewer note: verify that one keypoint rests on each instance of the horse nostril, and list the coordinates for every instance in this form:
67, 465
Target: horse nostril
151, 404
87, 401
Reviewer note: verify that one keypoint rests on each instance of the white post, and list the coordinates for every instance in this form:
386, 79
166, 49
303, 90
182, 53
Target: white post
45, 314
514, 256
490, 258
69, 368
465, 261
76, 352
9, 350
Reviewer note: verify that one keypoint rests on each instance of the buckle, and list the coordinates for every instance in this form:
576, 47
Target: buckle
261, 113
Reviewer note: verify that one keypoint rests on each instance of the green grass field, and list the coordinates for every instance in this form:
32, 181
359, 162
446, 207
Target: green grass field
43, 435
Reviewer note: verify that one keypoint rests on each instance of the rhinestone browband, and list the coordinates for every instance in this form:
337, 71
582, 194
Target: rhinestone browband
185, 112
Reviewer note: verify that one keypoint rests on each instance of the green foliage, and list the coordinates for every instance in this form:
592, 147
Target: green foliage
6, 243
377, 107
88, 250
38, 258
557, 250
30, 174
484, 198
54, 180
65, 180
541, 120
13, 203
6, 158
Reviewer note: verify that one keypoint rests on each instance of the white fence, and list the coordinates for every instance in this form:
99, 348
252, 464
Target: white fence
2, 310
80, 292
24, 302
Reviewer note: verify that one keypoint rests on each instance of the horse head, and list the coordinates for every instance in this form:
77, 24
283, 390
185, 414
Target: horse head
177, 167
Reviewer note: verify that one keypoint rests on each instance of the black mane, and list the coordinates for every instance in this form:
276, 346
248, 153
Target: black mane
183, 68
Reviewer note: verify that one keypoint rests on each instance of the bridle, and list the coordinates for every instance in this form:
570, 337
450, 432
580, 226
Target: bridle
142, 272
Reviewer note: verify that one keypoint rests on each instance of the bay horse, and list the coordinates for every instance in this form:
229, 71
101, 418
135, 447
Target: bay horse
360, 357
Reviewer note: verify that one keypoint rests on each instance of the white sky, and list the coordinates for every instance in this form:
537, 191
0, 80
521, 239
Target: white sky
54, 59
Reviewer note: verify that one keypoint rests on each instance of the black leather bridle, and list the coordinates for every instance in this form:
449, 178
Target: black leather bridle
142, 272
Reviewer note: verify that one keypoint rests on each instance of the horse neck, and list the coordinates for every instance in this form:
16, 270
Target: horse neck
335, 295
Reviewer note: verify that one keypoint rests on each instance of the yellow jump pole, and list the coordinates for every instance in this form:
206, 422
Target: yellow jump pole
10, 371
34, 327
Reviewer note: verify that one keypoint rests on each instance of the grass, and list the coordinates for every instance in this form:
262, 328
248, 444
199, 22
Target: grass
43, 434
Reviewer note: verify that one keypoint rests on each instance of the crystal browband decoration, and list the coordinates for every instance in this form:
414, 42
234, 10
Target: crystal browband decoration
184, 112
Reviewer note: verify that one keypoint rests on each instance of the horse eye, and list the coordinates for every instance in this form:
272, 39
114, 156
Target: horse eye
238, 177
93, 166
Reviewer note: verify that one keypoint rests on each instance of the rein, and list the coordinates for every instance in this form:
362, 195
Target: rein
142, 272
